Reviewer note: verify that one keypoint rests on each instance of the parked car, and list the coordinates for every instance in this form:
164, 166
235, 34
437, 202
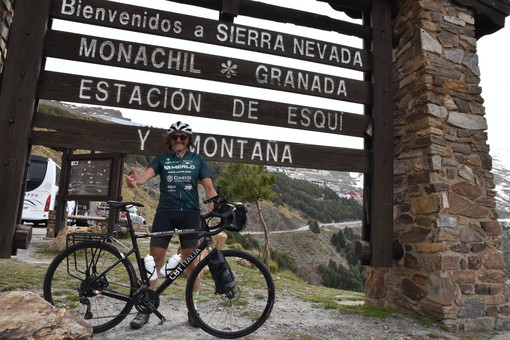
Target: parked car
102, 210
136, 217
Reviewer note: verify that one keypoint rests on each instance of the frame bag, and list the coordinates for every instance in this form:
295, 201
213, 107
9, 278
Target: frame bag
221, 272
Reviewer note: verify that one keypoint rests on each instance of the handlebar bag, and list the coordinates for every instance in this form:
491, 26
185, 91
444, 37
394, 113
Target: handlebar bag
237, 221
221, 272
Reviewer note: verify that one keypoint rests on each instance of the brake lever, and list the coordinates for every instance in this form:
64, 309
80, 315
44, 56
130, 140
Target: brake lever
211, 199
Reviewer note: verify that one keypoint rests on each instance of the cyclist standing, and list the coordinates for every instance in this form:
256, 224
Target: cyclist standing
180, 171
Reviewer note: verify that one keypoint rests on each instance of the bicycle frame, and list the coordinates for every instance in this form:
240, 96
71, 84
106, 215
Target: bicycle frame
140, 262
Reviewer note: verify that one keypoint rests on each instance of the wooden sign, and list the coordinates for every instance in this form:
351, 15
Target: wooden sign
374, 91
191, 28
78, 134
116, 93
112, 52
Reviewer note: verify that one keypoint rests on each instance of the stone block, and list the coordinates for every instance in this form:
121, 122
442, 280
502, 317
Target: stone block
426, 205
375, 287
414, 235
468, 190
447, 222
418, 178
448, 234
473, 307
469, 235
463, 276
429, 247
475, 262
463, 206
504, 310
431, 261
467, 121
467, 289
478, 247
492, 228
433, 310
411, 262
494, 260
495, 276
483, 289
503, 324
441, 290
494, 300
451, 262
412, 290
462, 248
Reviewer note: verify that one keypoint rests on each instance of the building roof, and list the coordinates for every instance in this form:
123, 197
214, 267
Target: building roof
489, 14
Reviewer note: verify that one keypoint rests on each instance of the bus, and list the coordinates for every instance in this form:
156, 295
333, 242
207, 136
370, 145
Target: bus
41, 191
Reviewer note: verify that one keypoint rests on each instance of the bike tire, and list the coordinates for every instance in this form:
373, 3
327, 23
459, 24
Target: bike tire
76, 280
234, 315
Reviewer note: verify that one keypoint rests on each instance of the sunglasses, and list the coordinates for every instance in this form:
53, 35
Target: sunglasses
181, 137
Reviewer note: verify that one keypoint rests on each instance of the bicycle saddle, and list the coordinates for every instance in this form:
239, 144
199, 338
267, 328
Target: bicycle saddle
122, 205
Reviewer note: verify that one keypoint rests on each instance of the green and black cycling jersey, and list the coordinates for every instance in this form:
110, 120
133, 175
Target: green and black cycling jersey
179, 180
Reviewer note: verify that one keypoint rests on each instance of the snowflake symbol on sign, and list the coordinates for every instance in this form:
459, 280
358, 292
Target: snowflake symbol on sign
229, 69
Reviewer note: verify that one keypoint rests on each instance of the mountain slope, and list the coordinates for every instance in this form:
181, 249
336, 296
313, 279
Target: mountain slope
501, 171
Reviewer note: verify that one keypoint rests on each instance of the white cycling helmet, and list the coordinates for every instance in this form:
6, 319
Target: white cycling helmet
179, 126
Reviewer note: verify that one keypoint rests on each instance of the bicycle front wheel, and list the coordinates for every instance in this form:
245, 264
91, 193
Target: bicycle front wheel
94, 282
238, 312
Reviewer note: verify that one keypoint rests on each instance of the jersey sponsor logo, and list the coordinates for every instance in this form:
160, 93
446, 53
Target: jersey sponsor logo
179, 167
176, 178
188, 187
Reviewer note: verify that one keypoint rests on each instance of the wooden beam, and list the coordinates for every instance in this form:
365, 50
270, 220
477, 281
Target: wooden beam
264, 11
192, 28
77, 134
115, 93
145, 57
381, 197
17, 102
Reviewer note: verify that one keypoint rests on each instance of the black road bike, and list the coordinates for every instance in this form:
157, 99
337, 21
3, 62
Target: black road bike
97, 281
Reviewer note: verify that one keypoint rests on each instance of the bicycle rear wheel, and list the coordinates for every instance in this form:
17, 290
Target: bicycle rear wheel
239, 312
94, 282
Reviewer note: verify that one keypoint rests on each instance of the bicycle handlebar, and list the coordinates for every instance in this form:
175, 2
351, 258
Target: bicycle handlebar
218, 200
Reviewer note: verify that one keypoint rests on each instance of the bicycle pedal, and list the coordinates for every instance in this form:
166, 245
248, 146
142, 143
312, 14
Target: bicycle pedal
162, 320
160, 316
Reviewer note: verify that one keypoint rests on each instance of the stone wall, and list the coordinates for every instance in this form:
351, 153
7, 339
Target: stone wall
6, 14
444, 213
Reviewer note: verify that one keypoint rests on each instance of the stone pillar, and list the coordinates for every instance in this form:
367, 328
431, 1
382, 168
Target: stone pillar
444, 214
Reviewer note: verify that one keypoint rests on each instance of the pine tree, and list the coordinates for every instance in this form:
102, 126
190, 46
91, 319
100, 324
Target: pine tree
249, 183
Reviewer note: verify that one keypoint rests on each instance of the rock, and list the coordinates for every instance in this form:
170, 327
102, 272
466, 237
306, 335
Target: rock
25, 315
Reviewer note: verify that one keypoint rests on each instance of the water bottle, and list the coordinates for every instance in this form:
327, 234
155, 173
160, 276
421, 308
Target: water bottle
150, 267
171, 264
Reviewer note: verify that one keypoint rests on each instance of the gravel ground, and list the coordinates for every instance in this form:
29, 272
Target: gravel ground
291, 319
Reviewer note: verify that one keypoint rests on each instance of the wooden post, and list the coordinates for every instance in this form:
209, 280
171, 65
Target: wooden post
378, 223
61, 213
17, 102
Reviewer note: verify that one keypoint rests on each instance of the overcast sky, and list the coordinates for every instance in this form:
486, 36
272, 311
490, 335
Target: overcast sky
494, 56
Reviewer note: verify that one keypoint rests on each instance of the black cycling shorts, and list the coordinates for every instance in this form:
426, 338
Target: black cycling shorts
168, 221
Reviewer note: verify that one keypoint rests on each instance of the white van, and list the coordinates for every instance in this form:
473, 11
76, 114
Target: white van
41, 192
